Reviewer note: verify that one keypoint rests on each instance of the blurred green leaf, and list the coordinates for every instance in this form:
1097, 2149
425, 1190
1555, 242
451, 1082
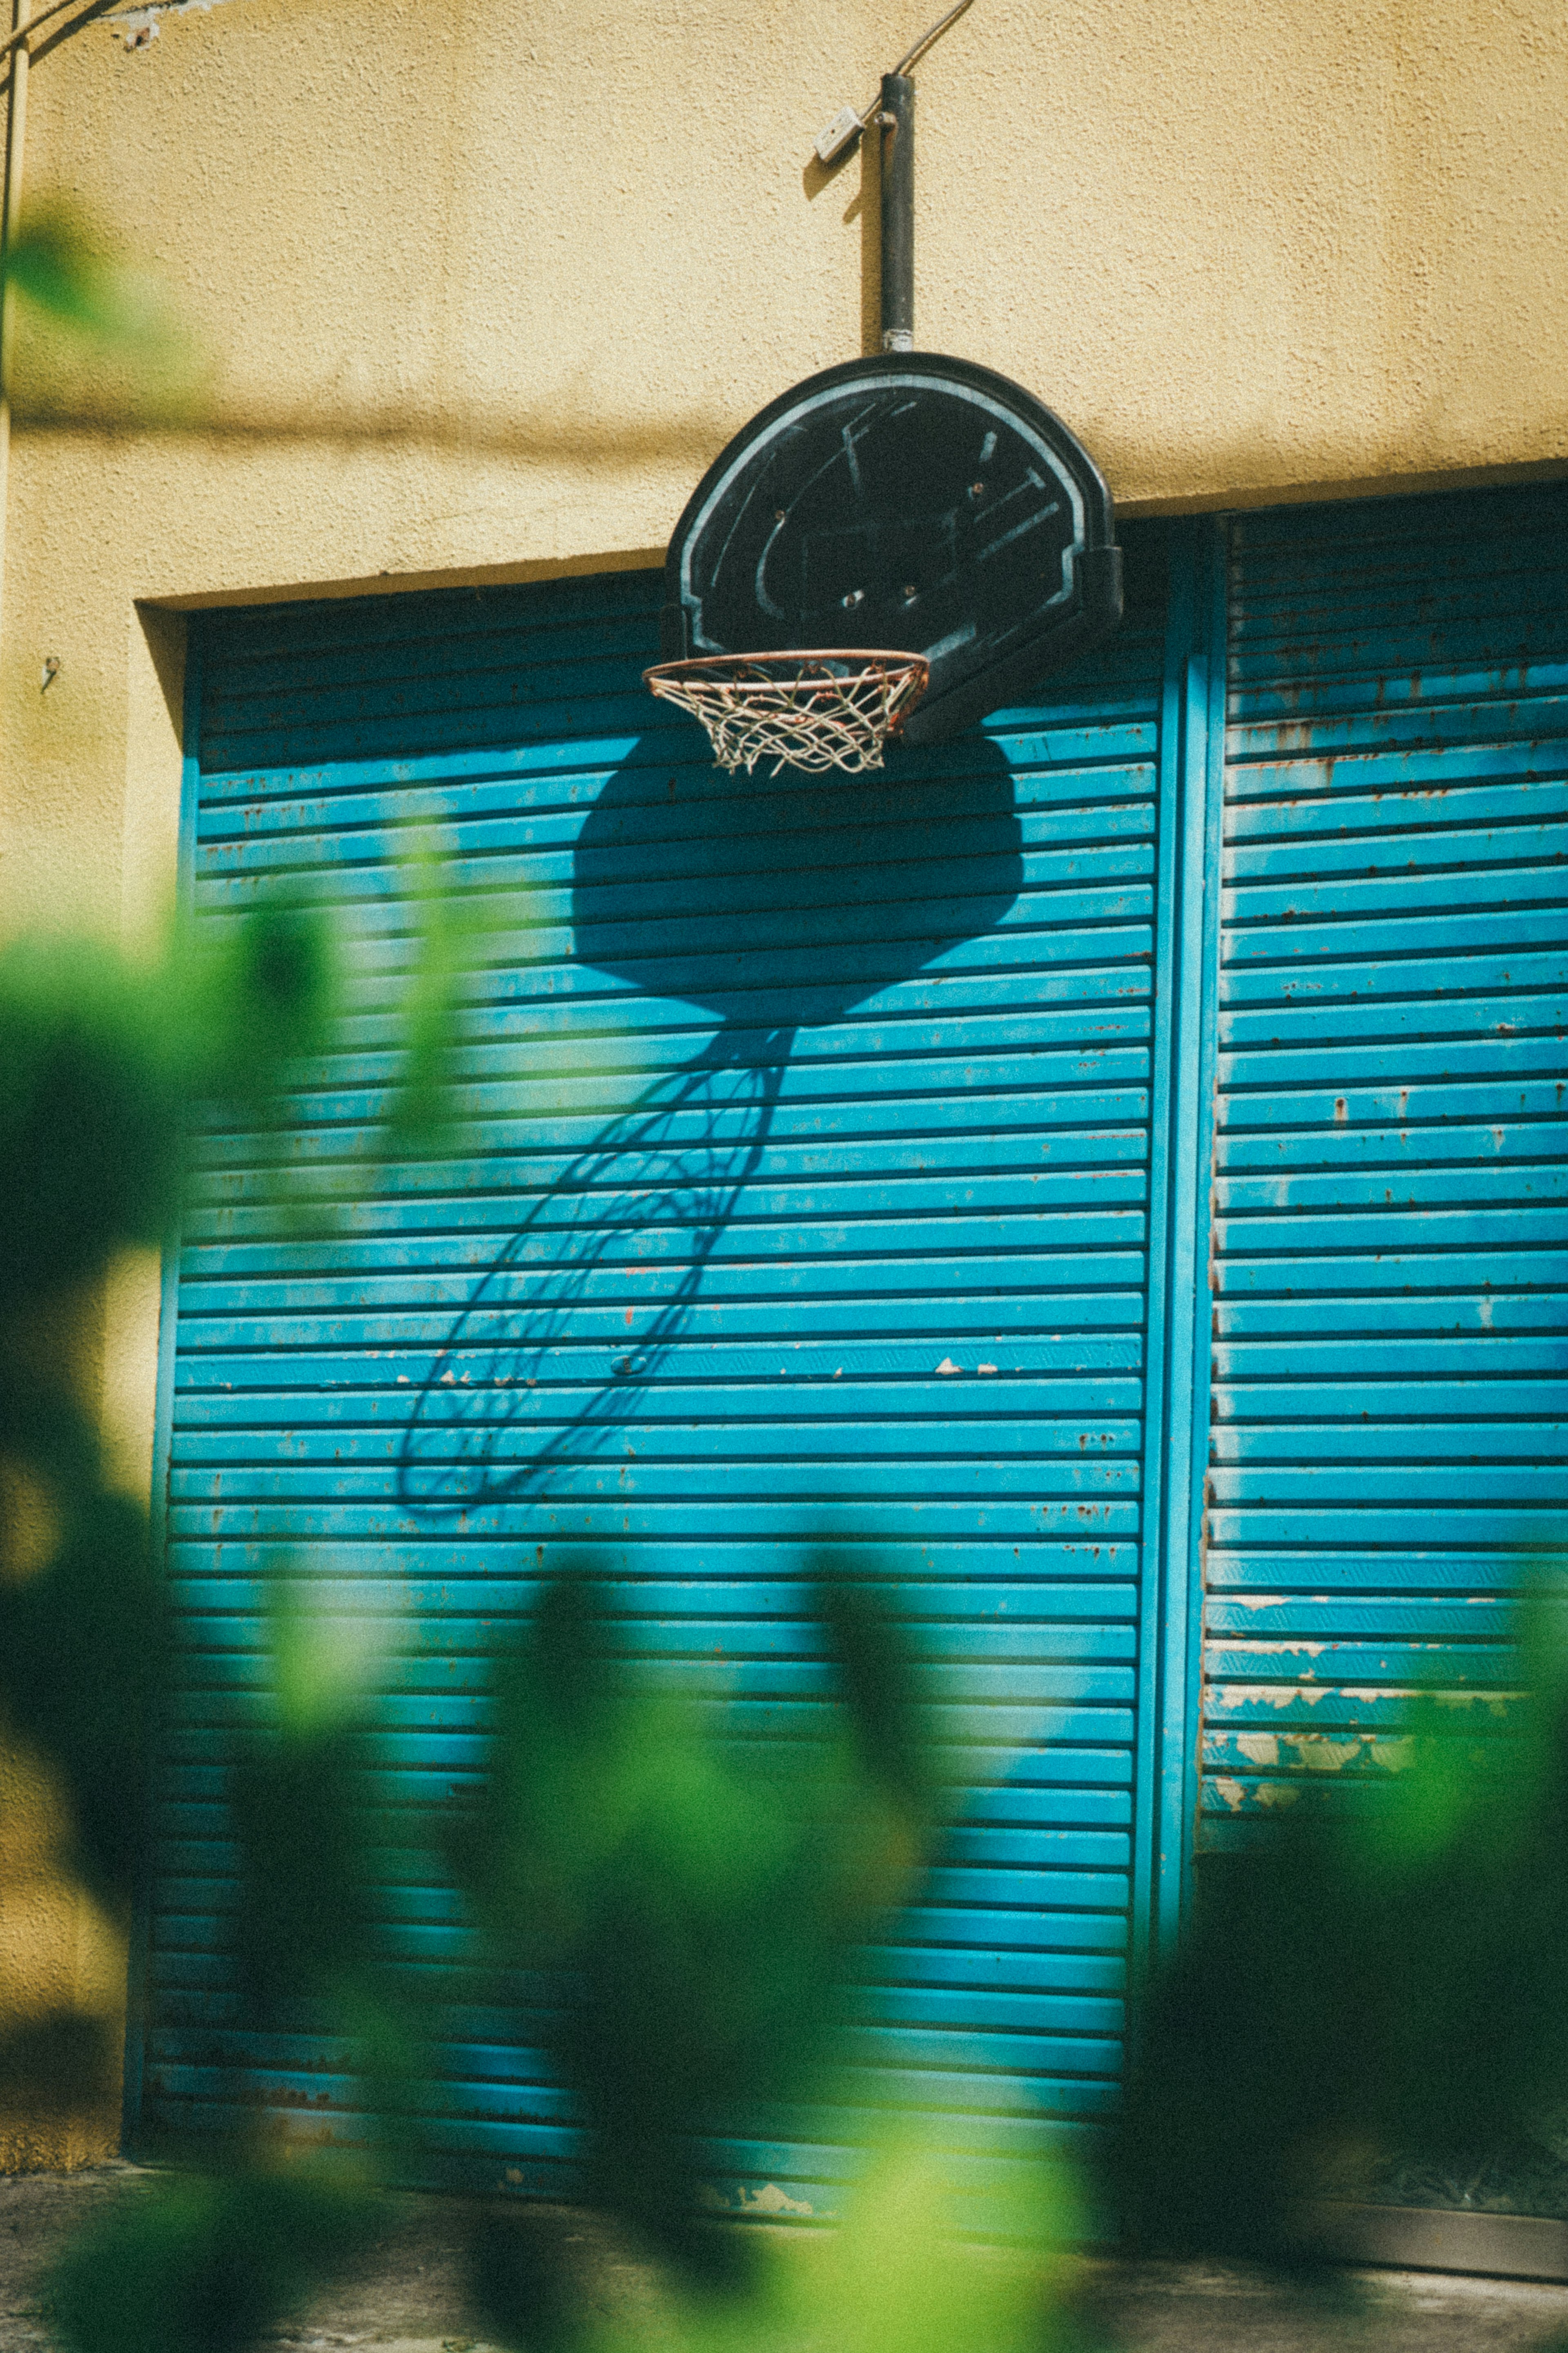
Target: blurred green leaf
520, 2286
699, 1901
1393, 1979
300, 1799
106, 1065
104, 1062
82, 1638
325, 1660
197, 2265
428, 1014
80, 322
53, 262
59, 2065
902, 2276
92, 1122
241, 1002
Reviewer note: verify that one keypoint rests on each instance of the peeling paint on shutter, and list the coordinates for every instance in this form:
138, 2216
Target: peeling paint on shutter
881, 1050
1389, 1248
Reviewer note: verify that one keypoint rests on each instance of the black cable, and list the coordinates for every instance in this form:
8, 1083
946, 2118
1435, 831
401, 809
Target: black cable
912, 57
935, 33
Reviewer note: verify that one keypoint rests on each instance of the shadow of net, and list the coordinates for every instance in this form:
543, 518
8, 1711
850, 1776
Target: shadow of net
777, 908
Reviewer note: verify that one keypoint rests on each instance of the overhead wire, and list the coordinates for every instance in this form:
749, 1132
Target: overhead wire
912, 57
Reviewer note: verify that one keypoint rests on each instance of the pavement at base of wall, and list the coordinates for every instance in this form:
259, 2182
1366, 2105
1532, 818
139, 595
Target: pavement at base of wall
408, 2298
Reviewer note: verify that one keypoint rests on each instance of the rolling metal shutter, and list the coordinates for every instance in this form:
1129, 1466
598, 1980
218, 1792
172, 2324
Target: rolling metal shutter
1389, 1242
804, 1161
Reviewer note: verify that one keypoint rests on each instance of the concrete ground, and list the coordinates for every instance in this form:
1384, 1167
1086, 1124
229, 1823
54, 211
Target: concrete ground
410, 2298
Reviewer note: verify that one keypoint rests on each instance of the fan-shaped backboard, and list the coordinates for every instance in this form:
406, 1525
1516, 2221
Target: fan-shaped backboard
909, 500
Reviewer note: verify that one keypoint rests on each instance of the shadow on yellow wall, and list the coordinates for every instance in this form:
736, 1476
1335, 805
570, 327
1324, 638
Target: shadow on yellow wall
62, 1973
62, 1951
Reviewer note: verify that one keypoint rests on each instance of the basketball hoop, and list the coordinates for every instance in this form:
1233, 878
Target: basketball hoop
805, 710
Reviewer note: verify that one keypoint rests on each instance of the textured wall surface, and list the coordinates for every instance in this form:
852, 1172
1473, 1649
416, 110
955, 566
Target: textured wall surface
479, 289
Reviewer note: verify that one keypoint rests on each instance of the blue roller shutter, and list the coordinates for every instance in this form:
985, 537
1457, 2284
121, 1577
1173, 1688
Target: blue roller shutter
803, 1162
1390, 1252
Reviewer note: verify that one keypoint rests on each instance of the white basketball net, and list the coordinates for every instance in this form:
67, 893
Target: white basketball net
801, 710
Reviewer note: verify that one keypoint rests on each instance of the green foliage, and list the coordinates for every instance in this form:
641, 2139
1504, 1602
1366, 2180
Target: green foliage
102, 1065
698, 1900
105, 1066
689, 1901
82, 1640
900, 2278
207, 2263
1393, 1979
85, 333
54, 2066
519, 2286
897, 2276
298, 1803
695, 1901
56, 262
309, 1838
445, 936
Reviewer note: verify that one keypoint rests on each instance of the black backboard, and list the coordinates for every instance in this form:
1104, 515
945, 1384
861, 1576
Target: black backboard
910, 502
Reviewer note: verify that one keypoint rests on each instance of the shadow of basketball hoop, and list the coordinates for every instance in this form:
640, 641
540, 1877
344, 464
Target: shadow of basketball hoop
776, 905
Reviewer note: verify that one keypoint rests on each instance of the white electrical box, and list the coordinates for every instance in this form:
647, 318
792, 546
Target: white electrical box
838, 134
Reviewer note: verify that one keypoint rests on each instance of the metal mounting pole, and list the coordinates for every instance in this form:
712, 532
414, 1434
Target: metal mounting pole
895, 120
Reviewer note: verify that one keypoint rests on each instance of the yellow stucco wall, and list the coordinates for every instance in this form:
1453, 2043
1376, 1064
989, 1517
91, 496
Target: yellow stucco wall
484, 283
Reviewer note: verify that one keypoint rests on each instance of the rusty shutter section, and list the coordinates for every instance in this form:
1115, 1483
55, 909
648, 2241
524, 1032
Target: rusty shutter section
1390, 1255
